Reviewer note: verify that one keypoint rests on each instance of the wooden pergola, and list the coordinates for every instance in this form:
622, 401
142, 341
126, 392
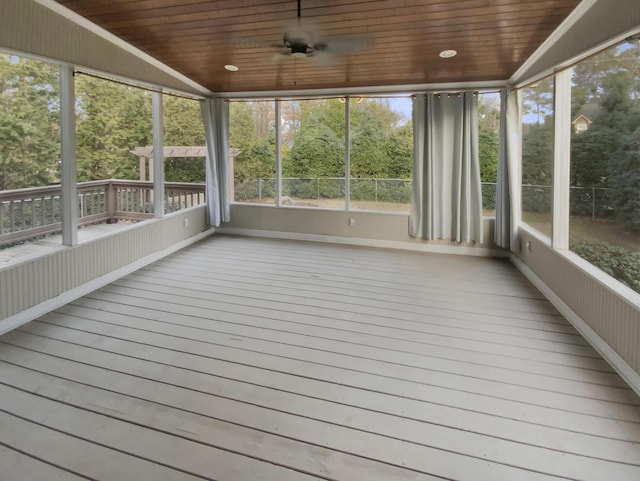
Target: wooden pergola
145, 154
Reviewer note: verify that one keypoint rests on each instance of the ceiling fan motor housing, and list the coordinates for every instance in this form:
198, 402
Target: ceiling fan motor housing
299, 49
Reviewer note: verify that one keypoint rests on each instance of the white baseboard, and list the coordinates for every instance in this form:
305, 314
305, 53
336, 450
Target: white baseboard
49, 305
360, 241
627, 373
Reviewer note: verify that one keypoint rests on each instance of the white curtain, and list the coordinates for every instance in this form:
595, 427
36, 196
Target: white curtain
215, 117
447, 197
508, 181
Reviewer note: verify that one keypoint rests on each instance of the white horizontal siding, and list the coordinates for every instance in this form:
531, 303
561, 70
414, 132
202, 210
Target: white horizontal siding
26, 284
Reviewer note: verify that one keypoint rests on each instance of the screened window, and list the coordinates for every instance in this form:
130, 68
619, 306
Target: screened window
313, 153
537, 155
604, 223
252, 153
381, 154
29, 146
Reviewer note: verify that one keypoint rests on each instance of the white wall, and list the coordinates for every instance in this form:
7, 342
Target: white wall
378, 229
31, 287
587, 295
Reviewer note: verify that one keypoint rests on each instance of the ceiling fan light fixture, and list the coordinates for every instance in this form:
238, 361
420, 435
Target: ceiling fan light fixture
231, 68
299, 49
448, 53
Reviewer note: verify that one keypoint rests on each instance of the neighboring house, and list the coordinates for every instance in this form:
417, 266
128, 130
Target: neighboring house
585, 117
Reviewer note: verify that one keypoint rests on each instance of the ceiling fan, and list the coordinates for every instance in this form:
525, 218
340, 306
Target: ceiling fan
300, 42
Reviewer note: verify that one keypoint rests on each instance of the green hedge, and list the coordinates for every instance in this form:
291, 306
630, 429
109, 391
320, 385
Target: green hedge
382, 190
250, 189
618, 262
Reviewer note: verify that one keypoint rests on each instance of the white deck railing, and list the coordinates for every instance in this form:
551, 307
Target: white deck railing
32, 212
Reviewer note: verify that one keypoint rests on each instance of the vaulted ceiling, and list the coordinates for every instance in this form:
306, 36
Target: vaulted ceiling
376, 42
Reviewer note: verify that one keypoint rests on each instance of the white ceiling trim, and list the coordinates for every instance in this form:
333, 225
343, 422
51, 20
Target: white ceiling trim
108, 36
552, 39
377, 90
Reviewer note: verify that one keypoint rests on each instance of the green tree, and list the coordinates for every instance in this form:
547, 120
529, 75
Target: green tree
381, 142
112, 120
398, 150
590, 152
626, 181
315, 133
488, 148
537, 101
537, 154
247, 124
317, 152
183, 127
368, 156
29, 133
606, 154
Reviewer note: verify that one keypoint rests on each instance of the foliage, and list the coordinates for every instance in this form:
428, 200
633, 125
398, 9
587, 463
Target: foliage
537, 154
183, 127
251, 129
626, 179
606, 155
618, 262
29, 106
537, 102
112, 120
489, 145
537, 198
537, 147
589, 156
382, 190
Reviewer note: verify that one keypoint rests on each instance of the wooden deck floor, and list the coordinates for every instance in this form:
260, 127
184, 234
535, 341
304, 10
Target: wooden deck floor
253, 359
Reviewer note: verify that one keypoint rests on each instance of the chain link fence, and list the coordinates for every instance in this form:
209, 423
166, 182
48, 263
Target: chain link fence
365, 189
585, 201
595, 202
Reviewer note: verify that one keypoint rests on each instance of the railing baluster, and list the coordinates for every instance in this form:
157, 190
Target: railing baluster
30, 212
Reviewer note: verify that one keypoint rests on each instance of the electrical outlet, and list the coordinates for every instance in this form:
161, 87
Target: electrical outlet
352, 221
185, 223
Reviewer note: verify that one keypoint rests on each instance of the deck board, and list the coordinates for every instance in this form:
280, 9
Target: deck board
242, 358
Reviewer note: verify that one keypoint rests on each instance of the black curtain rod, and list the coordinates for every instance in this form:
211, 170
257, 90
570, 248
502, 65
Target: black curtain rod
127, 84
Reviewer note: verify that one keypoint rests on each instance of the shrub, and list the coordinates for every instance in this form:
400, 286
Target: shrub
536, 198
488, 196
618, 262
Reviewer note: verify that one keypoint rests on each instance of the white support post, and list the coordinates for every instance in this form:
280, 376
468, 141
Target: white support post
561, 159
69, 195
347, 154
158, 156
278, 153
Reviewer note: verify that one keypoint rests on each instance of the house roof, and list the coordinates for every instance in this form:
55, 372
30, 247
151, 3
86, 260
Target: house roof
590, 111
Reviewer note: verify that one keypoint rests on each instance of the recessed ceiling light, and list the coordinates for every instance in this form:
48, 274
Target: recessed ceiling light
231, 68
448, 53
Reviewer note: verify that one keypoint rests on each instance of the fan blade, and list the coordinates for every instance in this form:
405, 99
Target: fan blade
279, 57
322, 58
299, 34
346, 45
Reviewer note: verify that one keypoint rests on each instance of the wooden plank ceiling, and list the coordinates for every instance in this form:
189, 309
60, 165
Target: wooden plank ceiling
369, 42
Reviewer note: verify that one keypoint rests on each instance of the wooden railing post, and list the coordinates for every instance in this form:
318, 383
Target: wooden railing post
111, 202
